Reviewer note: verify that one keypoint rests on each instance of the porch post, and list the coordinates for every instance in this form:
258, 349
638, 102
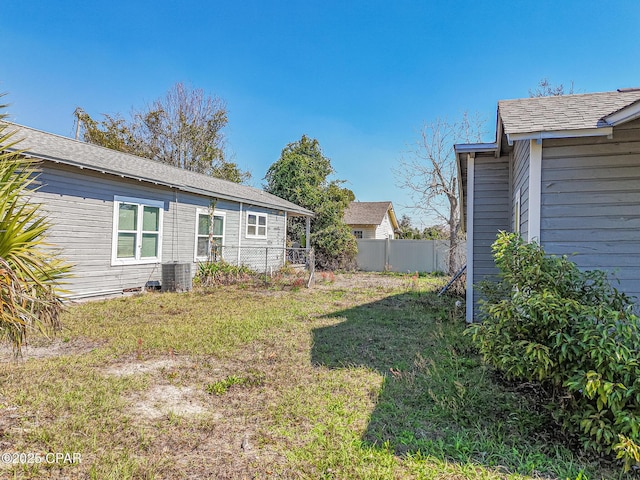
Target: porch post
308, 234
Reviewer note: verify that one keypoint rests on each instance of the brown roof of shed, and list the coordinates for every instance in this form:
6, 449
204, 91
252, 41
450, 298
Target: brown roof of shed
366, 213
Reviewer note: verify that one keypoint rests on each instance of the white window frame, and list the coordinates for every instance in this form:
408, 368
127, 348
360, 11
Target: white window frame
140, 203
361, 232
206, 211
257, 224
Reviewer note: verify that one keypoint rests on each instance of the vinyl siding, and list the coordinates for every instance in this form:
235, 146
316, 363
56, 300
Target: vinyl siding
521, 182
368, 231
491, 213
384, 230
80, 208
591, 203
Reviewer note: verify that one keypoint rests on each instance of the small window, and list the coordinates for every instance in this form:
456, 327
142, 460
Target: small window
516, 212
137, 230
358, 233
209, 237
256, 224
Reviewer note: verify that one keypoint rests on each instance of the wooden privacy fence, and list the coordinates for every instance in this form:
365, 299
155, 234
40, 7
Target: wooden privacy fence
403, 255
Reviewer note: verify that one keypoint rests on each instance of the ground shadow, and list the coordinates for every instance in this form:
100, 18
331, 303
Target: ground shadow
437, 398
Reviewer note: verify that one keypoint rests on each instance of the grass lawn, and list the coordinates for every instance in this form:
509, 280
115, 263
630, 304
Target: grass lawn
365, 377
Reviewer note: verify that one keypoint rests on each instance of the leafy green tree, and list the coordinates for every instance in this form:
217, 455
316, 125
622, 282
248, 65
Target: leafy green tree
301, 175
434, 233
184, 129
30, 270
407, 231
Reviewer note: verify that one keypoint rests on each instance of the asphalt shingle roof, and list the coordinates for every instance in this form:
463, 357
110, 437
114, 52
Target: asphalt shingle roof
366, 213
566, 112
47, 146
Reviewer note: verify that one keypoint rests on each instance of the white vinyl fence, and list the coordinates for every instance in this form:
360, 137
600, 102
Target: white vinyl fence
403, 255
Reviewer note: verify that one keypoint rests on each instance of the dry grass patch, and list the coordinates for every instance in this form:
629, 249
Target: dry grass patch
352, 379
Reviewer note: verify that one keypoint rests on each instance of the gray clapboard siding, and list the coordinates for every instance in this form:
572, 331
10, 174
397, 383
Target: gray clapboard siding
491, 209
521, 182
591, 203
80, 207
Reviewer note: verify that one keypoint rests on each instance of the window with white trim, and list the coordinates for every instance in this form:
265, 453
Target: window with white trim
137, 230
358, 233
209, 233
256, 225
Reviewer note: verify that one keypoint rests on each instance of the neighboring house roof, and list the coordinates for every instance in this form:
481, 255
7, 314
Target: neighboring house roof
55, 148
369, 213
558, 116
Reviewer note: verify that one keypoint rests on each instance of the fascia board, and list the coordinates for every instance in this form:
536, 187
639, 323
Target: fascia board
177, 186
475, 147
627, 114
583, 132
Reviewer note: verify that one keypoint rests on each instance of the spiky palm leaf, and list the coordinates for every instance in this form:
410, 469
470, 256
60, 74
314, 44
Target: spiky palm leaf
30, 270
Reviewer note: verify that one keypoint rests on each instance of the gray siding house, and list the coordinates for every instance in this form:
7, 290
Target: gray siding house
117, 217
564, 171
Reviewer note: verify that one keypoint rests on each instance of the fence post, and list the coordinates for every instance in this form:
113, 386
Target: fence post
386, 254
434, 255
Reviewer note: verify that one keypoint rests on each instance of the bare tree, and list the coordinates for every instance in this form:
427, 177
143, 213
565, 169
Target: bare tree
547, 89
429, 173
185, 129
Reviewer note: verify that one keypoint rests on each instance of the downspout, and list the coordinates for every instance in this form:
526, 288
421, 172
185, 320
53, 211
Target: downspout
470, 190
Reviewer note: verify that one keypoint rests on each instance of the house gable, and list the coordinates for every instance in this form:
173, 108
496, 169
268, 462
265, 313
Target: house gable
573, 183
373, 219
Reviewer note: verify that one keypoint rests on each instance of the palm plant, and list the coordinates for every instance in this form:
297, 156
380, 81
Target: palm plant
30, 269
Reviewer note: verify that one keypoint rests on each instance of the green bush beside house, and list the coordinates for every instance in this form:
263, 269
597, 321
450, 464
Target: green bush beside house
571, 331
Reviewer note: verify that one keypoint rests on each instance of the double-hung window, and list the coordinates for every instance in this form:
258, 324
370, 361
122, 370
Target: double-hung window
209, 234
137, 231
256, 225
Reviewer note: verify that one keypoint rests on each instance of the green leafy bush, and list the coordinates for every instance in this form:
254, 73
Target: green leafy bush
547, 321
222, 273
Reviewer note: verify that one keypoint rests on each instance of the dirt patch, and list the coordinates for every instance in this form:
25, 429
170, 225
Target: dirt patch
135, 367
362, 280
162, 400
46, 348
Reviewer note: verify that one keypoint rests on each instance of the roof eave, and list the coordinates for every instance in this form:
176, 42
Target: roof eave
624, 115
392, 216
184, 188
475, 147
542, 135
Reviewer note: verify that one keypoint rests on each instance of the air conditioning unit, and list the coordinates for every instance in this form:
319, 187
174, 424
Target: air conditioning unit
176, 277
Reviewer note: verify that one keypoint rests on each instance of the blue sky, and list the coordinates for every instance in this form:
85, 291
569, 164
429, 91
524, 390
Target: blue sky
360, 76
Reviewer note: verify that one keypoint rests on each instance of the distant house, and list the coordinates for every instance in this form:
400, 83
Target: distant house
118, 217
371, 219
564, 171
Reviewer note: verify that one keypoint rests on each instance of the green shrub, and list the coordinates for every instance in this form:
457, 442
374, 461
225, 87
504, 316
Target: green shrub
222, 273
547, 321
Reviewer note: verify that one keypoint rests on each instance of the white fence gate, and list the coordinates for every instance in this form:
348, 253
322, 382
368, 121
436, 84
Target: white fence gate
403, 255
